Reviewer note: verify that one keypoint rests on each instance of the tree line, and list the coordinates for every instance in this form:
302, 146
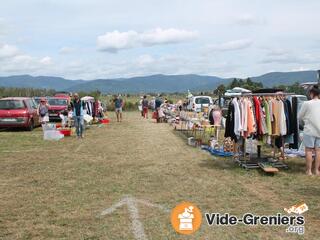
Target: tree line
251, 85
25, 92
35, 92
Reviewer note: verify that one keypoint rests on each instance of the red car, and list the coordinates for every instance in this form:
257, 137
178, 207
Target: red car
18, 112
57, 105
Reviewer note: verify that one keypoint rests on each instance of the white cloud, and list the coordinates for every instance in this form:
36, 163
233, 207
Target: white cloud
66, 50
115, 41
14, 60
145, 60
22, 59
46, 60
166, 36
7, 51
231, 45
285, 56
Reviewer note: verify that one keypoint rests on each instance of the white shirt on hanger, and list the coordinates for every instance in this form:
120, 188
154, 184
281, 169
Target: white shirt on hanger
237, 118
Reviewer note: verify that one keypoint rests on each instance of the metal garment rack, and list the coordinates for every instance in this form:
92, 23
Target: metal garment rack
265, 94
256, 161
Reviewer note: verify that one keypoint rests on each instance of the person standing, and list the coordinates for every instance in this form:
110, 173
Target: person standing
78, 112
145, 106
140, 108
310, 115
43, 111
158, 103
118, 105
153, 103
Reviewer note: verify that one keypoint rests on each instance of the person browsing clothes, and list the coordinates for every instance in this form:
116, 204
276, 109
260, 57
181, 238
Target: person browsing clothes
310, 115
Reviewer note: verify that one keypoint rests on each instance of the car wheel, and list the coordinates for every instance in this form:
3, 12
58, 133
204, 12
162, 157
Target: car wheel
31, 125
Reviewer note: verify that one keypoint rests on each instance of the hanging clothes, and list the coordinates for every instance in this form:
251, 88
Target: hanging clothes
237, 117
282, 122
251, 128
244, 115
263, 119
257, 115
267, 116
290, 117
229, 131
211, 119
295, 123
276, 117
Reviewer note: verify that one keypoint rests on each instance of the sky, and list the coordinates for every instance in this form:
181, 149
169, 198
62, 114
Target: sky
90, 39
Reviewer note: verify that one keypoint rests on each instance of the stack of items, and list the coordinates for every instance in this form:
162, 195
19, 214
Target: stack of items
50, 132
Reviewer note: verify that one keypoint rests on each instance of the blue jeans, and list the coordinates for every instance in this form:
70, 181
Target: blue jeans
79, 124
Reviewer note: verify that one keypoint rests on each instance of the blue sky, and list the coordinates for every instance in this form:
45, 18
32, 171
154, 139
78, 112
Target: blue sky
108, 39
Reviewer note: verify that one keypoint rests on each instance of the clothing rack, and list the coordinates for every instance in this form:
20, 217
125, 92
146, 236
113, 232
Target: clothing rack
256, 162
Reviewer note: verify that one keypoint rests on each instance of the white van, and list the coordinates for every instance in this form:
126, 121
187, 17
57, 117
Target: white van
197, 103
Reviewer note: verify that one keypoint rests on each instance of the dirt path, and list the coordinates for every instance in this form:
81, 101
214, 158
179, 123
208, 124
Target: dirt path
59, 189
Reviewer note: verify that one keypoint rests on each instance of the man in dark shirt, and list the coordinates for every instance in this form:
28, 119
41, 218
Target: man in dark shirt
78, 112
158, 103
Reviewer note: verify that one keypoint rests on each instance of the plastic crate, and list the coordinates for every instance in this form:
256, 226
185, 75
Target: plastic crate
104, 121
65, 132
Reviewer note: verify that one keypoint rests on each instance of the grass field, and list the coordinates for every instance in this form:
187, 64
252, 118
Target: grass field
57, 190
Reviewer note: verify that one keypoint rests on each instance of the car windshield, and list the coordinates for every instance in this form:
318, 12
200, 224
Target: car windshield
11, 104
202, 101
58, 102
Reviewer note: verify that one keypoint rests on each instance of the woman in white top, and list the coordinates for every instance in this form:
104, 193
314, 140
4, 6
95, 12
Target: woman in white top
310, 115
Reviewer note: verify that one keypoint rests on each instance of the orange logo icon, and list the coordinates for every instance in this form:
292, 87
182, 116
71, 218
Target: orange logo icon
186, 218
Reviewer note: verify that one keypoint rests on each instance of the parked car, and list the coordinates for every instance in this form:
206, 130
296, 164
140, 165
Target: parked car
18, 112
66, 95
197, 103
57, 105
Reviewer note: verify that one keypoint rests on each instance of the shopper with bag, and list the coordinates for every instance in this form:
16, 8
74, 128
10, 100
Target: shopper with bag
43, 111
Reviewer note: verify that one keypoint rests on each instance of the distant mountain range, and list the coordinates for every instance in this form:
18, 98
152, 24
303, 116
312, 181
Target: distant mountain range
153, 83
